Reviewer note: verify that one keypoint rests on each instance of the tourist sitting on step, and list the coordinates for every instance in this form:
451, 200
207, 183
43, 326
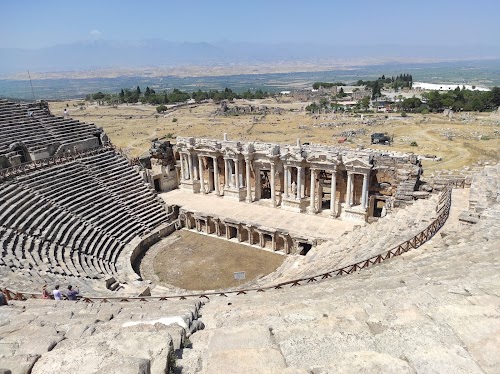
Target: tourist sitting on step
45, 293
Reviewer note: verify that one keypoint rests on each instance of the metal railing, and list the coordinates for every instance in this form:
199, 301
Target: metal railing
443, 210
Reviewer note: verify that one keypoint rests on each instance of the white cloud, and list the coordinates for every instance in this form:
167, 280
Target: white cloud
95, 33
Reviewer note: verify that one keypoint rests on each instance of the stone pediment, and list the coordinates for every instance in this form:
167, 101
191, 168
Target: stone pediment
292, 156
231, 153
322, 158
357, 163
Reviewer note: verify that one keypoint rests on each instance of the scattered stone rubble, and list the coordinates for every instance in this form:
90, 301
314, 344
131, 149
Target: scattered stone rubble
226, 110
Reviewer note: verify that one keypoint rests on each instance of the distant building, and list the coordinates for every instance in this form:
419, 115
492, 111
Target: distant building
420, 86
360, 94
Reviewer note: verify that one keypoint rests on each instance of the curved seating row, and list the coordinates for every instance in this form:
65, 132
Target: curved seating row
75, 219
38, 130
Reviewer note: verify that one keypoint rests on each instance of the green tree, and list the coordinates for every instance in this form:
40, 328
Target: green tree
98, 96
365, 102
376, 90
495, 97
313, 107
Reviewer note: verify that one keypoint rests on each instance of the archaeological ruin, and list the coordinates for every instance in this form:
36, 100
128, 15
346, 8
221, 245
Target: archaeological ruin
338, 181
383, 271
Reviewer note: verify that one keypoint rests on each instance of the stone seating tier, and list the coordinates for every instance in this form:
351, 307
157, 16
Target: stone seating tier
433, 310
485, 188
357, 245
72, 221
40, 130
37, 336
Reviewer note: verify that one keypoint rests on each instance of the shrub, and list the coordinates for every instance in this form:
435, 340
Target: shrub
404, 114
413, 144
161, 108
174, 119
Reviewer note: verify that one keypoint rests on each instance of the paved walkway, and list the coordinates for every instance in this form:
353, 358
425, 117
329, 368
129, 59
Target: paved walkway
297, 224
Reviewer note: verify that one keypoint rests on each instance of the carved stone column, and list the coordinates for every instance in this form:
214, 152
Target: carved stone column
196, 174
273, 184
216, 177
313, 192
349, 188
299, 182
182, 166
249, 185
200, 175
237, 173
285, 180
333, 193
226, 173
258, 183
190, 166
364, 192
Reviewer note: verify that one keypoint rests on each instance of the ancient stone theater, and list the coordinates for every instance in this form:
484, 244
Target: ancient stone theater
383, 271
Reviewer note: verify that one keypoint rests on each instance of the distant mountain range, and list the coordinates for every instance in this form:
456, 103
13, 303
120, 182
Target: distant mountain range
102, 54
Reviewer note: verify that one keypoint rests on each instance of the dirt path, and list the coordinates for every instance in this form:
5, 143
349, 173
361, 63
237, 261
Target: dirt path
456, 153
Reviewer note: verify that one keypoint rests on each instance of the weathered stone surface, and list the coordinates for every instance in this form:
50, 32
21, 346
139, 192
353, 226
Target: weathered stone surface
365, 362
130, 351
21, 364
246, 361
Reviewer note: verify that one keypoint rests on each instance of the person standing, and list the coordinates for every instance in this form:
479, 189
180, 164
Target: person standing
71, 294
57, 294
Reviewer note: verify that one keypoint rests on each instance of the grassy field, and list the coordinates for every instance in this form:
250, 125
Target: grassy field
197, 262
461, 140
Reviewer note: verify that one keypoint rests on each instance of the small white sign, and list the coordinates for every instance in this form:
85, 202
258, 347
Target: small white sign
239, 275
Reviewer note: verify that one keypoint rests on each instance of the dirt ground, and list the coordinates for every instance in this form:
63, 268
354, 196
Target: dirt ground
193, 261
461, 140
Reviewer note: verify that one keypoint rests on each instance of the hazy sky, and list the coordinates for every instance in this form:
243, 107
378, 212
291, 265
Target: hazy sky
34, 24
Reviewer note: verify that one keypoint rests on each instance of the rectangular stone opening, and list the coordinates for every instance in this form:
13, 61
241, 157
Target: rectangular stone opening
222, 230
304, 248
232, 232
244, 234
268, 241
265, 192
256, 238
157, 185
280, 244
